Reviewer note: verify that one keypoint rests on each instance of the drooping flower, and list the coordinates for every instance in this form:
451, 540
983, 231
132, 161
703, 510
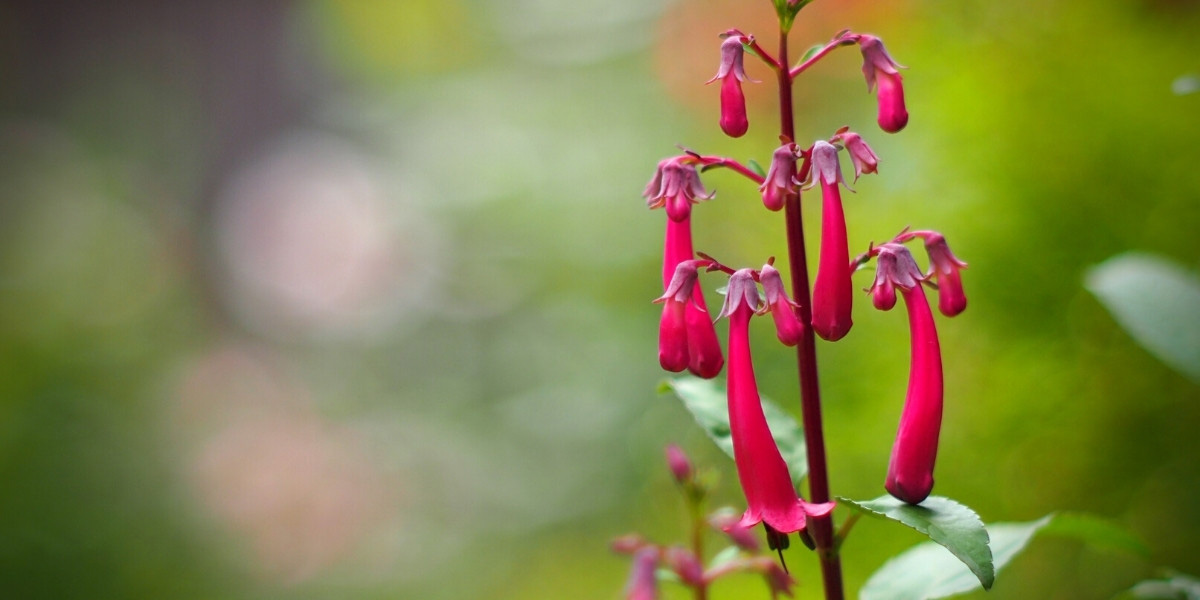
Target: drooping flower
732, 73
945, 267
643, 584
687, 338
675, 186
788, 327
910, 469
881, 71
864, 159
770, 496
833, 291
780, 180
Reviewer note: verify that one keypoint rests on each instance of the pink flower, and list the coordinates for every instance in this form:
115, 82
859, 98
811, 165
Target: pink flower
944, 266
643, 584
788, 327
675, 185
880, 69
780, 181
833, 291
686, 337
685, 564
770, 496
910, 470
861, 155
732, 73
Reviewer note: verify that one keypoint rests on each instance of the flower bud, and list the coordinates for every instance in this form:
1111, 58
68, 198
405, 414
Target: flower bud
881, 71
677, 461
732, 73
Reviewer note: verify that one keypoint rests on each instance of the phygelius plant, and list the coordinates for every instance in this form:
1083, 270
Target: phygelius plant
687, 339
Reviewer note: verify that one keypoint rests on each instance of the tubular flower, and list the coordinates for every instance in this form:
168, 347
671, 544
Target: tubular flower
945, 267
910, 470
780, 181
770, 496
732, 73
686, 337
676, 186
788, 327
881, 70
833, 291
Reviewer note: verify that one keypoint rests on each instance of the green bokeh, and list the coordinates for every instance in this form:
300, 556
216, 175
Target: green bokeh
487, 427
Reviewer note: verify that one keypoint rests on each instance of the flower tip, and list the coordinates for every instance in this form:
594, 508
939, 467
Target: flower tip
909, 491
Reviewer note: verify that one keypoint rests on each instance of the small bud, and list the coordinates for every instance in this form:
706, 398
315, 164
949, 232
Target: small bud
643, 584
881, 71
628, 544
780, 183
685, 565
861, 155
677, 461
788, 327
945, 267
732, 73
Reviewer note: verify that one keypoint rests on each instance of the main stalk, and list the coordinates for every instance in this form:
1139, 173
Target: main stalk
806, 355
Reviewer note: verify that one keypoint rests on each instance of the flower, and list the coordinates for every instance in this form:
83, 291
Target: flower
675, 185
833, 291
685, 564
788, 327
770, 496
861, 155
732, 73
944, 266
780, 181
910, 470
643, 584
686, 337
880, 70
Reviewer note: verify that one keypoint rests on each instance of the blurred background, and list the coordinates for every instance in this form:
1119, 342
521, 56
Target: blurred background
351, 299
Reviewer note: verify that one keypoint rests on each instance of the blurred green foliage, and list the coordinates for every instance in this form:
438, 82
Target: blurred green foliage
352, 299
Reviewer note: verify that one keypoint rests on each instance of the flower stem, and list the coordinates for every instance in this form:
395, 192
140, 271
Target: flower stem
806, 357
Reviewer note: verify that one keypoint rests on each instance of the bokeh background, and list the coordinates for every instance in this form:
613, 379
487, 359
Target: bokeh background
351, 299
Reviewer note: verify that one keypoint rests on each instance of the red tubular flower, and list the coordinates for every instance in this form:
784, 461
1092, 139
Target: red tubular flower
732, 73
833, 291
788, 327
910, 470
770, 496
945, 267
880, 69
780, 181
676, 186
686, 336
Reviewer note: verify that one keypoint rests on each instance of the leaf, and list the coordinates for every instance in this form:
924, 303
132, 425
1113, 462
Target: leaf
1154, 300
810, 53
707, 404
729, 554
757, 168
926, 571
954, 526
1174, 587
1097, 532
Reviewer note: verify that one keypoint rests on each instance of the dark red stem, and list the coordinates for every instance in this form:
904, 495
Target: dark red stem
806, 357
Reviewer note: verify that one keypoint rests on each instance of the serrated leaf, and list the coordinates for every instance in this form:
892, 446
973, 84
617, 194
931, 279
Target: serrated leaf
707, 403
946, 522
1176, 587
1154, 300
927, 571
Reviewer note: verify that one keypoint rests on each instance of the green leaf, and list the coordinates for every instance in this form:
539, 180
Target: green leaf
727, 555
707, 404
946, 522
809, 53
1154, 300
757, 168
1097, 532
1174, 587
926, 571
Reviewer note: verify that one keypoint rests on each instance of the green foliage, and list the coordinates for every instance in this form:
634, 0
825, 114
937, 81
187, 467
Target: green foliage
925, 572
1155, 301
707, 404
1173, 587
946, 522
